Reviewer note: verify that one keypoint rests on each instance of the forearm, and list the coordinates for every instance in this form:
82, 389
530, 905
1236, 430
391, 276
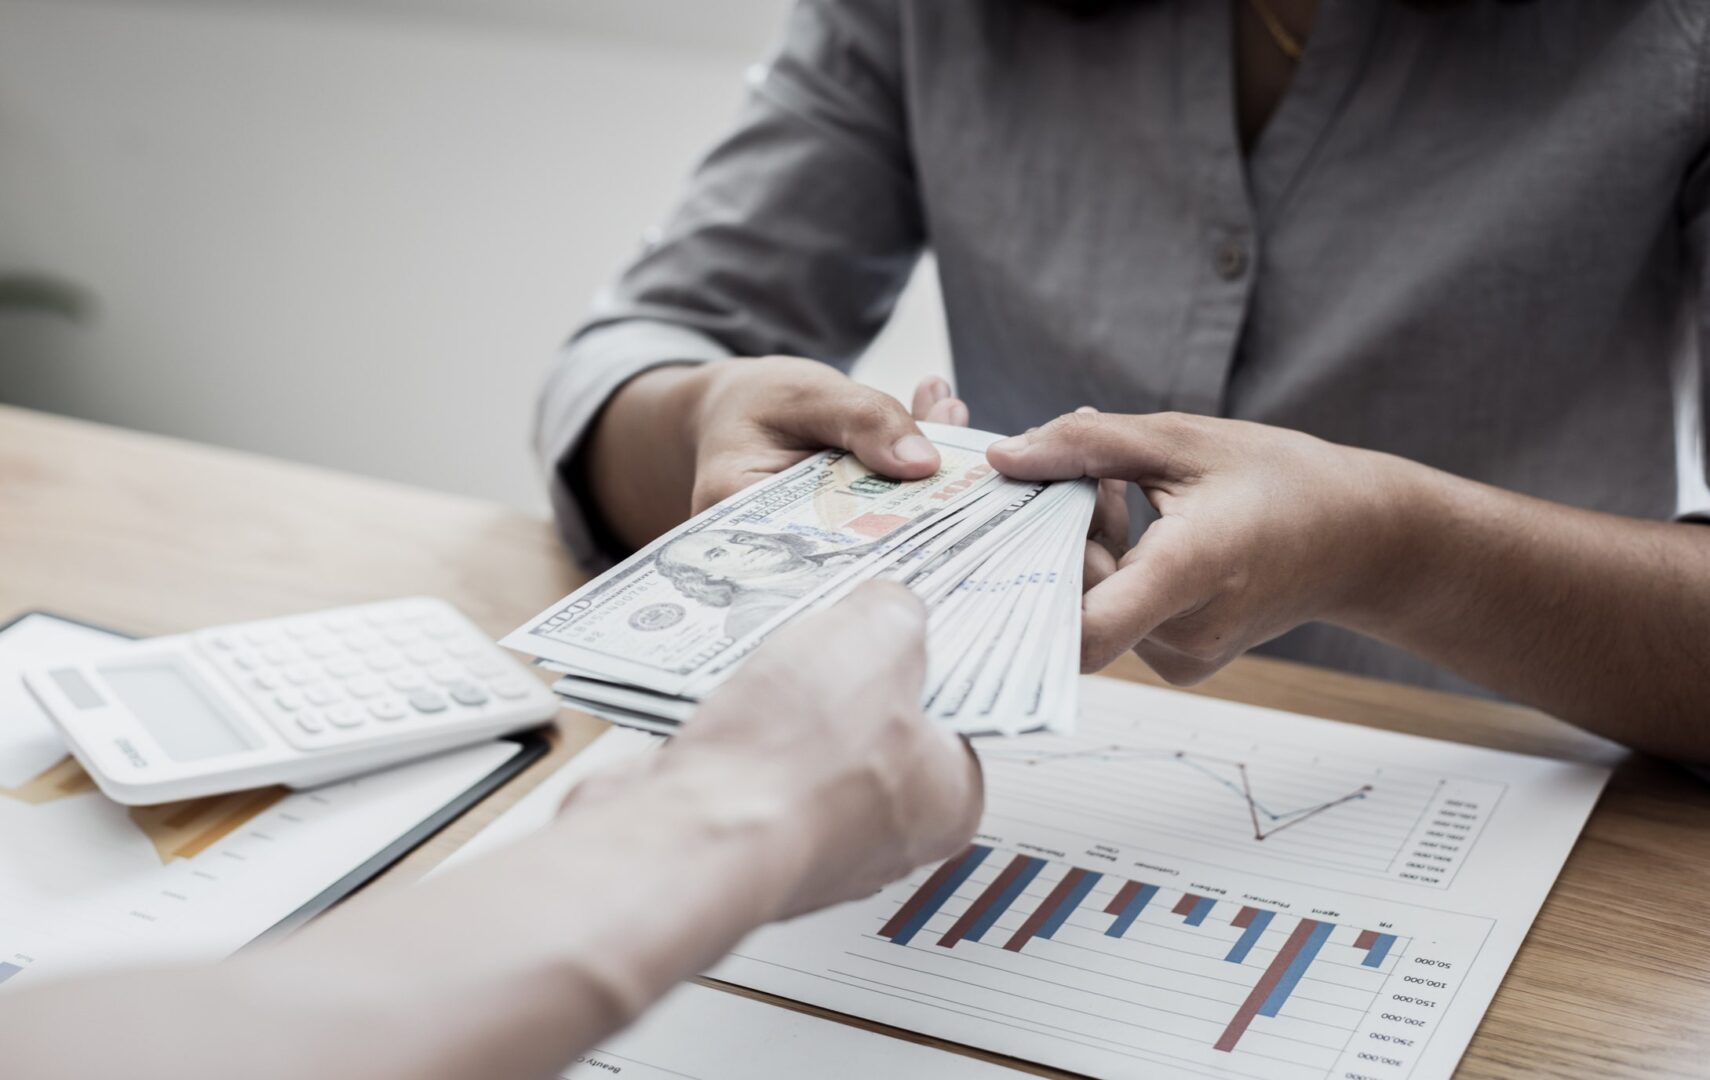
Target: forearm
507, 967
639, 459
1601, 620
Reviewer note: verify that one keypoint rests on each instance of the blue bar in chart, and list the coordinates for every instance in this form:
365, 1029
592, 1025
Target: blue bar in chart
1201, 908
8, 970
1377, 947
1297, 967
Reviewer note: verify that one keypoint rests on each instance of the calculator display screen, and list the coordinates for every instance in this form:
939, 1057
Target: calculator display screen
182, 715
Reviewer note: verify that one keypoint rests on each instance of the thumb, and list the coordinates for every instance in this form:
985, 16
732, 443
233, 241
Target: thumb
872, 425
1143, 449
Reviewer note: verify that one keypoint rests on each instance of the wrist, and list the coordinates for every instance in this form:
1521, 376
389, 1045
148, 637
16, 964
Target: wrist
746, 845
1391, 542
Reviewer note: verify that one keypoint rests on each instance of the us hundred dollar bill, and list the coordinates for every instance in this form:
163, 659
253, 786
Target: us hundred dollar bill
711, 587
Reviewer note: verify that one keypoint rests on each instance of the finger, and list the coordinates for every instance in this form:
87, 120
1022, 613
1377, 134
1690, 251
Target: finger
1110, 517
1158, 582
948, 411
1175, 668
1160, 446
871, 424
930, 391
954, 795
1096, 564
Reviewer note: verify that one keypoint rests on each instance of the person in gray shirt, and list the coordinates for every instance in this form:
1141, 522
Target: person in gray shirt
1393, 313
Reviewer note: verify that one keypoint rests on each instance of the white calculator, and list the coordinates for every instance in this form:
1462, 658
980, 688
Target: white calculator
302, 700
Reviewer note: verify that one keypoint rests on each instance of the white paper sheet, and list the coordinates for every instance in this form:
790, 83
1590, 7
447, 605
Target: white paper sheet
86, 883
1196, 888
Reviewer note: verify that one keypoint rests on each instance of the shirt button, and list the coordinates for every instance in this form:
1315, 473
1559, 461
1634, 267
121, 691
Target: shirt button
1231, 259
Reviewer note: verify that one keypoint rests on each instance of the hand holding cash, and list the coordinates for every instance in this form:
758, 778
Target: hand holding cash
997, 562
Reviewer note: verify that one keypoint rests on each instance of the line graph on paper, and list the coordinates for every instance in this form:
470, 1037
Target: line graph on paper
1200, 790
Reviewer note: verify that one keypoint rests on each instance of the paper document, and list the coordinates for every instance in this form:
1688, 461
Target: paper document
86, 883
1188, 887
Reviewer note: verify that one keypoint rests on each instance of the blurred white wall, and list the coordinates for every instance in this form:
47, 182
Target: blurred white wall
351, 232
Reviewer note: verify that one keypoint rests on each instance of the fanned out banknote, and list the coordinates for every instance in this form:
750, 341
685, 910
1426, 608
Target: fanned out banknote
997, 562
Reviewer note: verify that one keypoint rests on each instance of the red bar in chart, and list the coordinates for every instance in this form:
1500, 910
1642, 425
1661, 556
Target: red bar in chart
1064, 893
1185, 905
1366, 940
1244, 917
1267, 983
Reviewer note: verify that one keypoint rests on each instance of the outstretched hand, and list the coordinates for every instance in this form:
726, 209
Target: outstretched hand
1260, 529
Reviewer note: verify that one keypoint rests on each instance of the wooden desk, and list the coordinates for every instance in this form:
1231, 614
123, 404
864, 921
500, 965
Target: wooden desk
151, 535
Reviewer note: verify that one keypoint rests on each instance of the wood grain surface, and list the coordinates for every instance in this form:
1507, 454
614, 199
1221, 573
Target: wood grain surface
151, 535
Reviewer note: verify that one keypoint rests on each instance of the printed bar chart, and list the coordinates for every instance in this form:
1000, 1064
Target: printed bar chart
1122, 914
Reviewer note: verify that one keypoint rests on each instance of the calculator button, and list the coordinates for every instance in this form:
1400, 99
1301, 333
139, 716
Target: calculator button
280, 654
401, 635
364, 686
300, 630
300, 675
361, 641
345, 716
467, 694
289, 700
445, 673
323, 694
223, 642
246, 661
385, 660
439, 630
377, 616
311, 723
342, 667
265, 680
464, 648
427, 701
261, 636
387, 708
423, 655
339, 621
406, 679
320, 648
486, 667
510, 687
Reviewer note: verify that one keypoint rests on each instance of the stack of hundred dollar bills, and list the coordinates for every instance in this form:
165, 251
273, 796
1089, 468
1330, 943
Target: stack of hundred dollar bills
997, 562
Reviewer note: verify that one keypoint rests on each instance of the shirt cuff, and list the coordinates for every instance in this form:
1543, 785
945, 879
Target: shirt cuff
587, 372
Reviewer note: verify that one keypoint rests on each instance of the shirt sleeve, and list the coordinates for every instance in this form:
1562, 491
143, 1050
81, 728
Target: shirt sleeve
796, 235
1690, 382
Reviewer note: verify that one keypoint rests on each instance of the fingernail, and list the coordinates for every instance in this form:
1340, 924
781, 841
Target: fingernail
914, 449
940, 390
1086, 409
1012, 445
959, 414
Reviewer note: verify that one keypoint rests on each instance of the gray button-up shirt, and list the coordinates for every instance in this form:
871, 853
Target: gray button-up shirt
1474, 238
